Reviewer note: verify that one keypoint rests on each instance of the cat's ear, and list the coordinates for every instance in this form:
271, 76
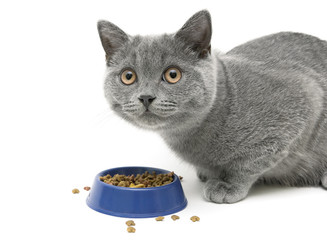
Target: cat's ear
196, 33
112, 37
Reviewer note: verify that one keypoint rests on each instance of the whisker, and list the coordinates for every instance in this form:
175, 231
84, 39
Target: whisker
166, 105
166, 109
130, 110
102, 118
127, 102
169, 101
129, 106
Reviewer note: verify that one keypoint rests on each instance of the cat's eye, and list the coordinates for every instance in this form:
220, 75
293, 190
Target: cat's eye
128, 76
172, 75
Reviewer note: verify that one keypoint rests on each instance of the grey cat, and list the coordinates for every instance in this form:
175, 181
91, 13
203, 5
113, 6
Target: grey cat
256, 114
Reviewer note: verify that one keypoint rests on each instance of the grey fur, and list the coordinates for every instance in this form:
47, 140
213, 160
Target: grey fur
256, 114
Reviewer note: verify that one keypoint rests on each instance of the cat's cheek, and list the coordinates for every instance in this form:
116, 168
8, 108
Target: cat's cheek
196, 103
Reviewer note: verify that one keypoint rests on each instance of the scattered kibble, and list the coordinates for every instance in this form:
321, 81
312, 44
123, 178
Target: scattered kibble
75, 191
195, 219
174, 217
180, 177
144, 180
131, 230
130, 223
160, 218
87, 188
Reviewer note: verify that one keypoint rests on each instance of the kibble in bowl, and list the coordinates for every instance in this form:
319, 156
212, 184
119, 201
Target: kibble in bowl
144, 201
143, 180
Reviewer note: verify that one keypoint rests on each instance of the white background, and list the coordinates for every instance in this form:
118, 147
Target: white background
57, 133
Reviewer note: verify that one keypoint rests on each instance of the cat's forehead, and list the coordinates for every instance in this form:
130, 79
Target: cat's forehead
151, 53
151, 50
152, 44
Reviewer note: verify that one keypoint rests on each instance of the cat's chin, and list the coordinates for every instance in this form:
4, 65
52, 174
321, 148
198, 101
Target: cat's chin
150, 120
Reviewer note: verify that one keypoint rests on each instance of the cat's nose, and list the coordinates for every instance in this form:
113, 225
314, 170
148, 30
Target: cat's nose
146, 100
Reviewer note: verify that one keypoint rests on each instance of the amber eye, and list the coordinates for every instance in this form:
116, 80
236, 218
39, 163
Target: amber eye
172, 75
128, 76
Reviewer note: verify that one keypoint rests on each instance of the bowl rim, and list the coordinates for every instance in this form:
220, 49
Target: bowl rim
135, 189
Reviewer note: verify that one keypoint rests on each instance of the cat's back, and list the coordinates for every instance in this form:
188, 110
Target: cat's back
280, 84
295, 48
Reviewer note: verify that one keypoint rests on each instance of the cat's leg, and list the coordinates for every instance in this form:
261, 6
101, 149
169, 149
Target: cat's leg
236, 179
205, 174
324, 180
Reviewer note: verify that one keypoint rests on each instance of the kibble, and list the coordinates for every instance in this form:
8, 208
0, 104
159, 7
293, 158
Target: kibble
174, 217
160, 218
195, 219
130, 223
144, 180
131, 230
75, 191
87, 188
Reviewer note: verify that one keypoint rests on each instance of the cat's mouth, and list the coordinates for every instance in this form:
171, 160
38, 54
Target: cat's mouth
149, 119
148, 113
154, 116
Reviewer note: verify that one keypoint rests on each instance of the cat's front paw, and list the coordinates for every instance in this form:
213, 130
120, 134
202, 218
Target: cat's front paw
222, 192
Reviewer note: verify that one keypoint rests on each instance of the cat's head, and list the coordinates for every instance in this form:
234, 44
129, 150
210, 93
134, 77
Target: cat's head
160, 82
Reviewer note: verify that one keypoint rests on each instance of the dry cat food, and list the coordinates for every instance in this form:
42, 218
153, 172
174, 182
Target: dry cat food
130, 223
75, 191
160, 218
87, 188
174, 217
140, 180
131, 230
195, 219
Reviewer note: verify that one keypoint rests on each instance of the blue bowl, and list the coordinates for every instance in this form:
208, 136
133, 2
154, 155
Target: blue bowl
136, 202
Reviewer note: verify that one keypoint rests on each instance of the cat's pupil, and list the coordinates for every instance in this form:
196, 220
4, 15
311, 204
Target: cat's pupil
173, 74
129, 75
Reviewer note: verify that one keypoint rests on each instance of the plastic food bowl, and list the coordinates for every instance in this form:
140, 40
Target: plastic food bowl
136, 202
